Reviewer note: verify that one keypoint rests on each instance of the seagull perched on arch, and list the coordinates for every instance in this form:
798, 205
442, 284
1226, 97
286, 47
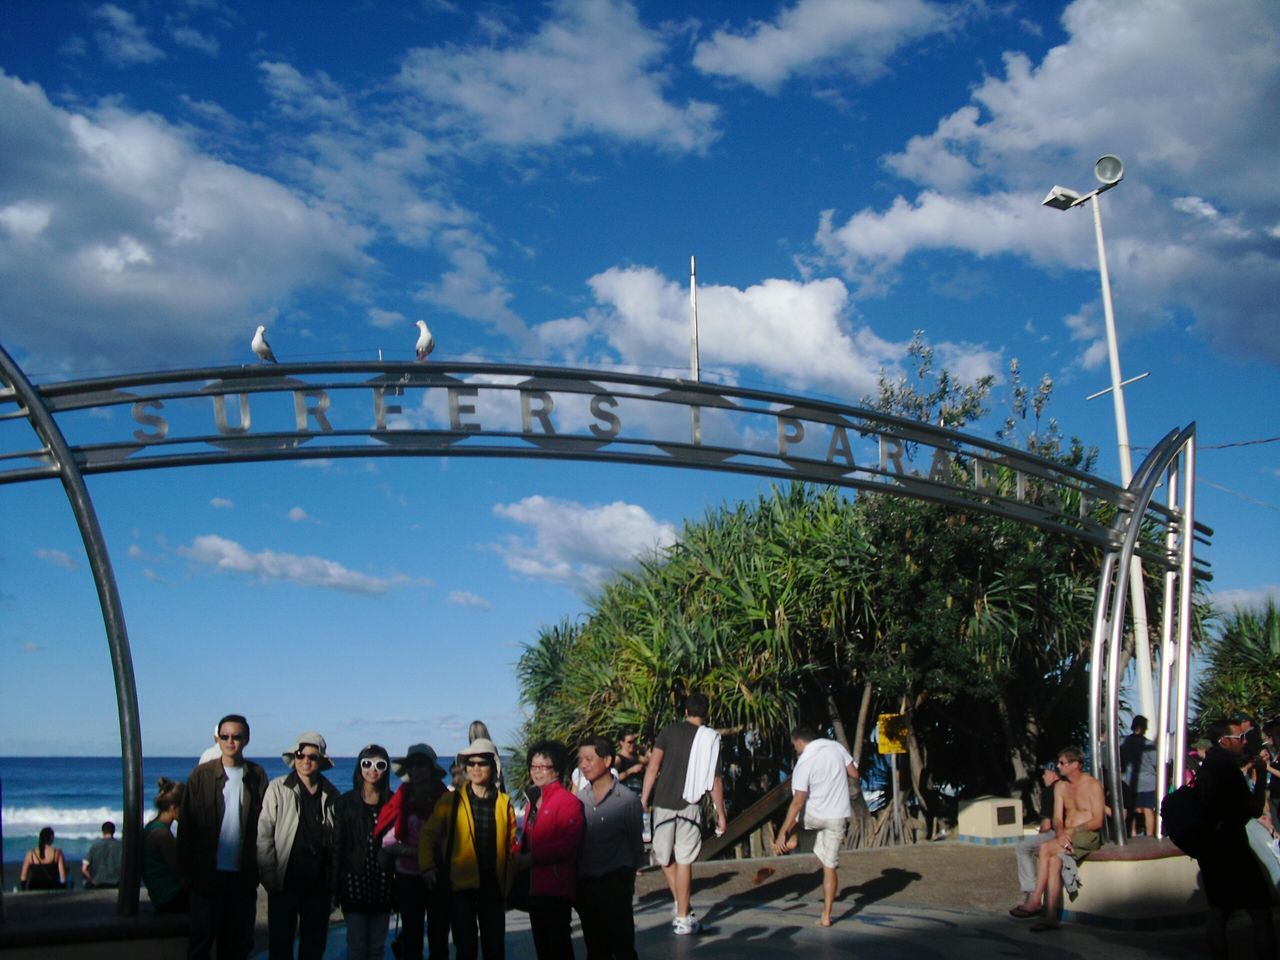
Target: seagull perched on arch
261, 347
426, 342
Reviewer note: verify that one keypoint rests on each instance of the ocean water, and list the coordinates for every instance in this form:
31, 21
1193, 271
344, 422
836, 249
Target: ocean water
74, 795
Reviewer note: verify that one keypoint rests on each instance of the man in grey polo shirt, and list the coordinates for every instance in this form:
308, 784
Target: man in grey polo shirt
612, 852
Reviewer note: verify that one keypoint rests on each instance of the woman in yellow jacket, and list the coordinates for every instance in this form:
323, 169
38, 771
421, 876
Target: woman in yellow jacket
466, 845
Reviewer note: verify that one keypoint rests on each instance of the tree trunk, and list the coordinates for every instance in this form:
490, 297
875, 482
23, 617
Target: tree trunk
1017, 757
915, 756
864, 711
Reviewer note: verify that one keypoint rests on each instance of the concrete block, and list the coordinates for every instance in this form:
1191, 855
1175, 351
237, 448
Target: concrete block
1139, 894
990, 820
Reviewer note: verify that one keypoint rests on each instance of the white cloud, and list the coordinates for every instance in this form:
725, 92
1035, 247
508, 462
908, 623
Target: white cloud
387, 319
591, 69
1176, 90
122, 40
151, 576
475, 290
222, 554
117, 215
29, 646
59, 558
190, 37
221, 503
465, 598
794, 331
135, 551
301, 97
1228, 601
298, 515
577, 544
855, 37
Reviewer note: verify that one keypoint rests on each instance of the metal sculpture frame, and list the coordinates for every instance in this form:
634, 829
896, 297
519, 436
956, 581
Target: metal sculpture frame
964, 472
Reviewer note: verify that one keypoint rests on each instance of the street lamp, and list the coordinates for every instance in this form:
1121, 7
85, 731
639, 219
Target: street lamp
1110, 171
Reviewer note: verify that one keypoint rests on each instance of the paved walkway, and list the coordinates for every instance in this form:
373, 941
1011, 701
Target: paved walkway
762, 931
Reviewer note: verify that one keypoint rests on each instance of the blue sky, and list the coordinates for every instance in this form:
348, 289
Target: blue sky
531, 179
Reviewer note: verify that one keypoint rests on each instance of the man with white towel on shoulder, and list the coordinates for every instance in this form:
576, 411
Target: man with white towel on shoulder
684, 766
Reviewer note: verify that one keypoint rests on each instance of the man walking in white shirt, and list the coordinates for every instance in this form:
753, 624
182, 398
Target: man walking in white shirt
820, 788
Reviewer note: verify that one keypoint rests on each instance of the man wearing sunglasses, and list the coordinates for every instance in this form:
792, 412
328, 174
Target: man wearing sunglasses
295, 844
1233, 878
217, 845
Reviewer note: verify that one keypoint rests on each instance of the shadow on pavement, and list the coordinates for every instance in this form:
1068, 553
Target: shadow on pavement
892, 880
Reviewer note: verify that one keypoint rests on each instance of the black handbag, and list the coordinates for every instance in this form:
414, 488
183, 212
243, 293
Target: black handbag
444, 882
518, 897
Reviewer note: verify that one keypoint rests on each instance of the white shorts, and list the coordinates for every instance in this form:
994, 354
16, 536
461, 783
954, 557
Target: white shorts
677, 834
828, 840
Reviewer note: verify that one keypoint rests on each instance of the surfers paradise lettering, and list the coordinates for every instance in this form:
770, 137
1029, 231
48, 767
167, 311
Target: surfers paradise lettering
852, 444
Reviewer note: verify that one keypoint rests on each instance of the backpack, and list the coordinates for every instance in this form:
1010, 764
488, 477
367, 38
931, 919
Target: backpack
1186, 821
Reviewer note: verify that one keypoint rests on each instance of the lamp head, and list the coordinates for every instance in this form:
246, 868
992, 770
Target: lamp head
1061, 198
1109, 170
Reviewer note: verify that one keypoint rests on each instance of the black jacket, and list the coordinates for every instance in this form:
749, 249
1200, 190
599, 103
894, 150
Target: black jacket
351, 828
200, 822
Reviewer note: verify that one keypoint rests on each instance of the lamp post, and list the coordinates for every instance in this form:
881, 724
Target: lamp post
1110, 171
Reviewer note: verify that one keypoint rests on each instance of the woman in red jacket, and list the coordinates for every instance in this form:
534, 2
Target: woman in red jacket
552, 837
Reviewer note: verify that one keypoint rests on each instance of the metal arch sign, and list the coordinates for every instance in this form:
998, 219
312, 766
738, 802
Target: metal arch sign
309, 411
239, 414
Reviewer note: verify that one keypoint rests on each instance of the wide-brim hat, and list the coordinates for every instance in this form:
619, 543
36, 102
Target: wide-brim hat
311, 738
417, 751
482, 748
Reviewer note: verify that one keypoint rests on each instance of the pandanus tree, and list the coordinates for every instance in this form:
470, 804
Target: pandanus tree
1242, 670
809, 605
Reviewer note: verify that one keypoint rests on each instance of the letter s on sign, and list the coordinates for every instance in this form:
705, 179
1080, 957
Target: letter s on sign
141, 416
598, 402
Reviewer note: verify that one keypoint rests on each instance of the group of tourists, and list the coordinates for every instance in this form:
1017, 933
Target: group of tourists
445, 856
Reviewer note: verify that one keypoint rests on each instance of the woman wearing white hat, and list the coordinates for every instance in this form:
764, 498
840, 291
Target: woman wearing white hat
466, 847
295, 840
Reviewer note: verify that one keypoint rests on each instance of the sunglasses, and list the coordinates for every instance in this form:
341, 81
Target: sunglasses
373, 763
478, 762
542, 766
241, 737
309, 757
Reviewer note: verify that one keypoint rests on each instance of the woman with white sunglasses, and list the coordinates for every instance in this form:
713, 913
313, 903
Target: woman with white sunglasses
362, 882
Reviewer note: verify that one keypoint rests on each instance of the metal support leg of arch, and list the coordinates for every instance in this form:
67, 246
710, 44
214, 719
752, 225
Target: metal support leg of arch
112, 616
1172, 460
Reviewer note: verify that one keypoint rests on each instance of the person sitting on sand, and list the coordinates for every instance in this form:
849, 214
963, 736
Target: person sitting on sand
43, 868
1077, 821
820, 787
101, 867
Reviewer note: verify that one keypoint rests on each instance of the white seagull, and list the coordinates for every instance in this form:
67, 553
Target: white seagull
426, 342
262, 348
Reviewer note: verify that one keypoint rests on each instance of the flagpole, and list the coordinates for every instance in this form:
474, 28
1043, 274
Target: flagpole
693, 319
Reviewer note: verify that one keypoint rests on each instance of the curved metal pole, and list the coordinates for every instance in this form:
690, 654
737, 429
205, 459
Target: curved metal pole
1116, 570
112, 617
1100, 632
1186, 586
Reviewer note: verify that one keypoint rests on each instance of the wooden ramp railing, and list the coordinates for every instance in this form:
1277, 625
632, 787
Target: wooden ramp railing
748, 820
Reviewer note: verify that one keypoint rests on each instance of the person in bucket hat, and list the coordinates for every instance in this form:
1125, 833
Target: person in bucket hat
295, 846
466, 847
424, 915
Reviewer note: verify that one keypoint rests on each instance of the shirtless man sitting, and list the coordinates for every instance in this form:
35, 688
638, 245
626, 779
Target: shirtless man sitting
1077, 821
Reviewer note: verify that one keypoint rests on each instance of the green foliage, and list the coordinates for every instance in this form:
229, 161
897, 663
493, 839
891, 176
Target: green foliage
790, 607
1243, 670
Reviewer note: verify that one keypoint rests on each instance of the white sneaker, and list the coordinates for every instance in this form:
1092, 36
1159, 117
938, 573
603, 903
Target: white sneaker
684, 926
